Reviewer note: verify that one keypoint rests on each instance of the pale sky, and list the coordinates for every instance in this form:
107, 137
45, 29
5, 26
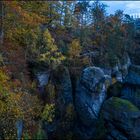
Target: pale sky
129, 7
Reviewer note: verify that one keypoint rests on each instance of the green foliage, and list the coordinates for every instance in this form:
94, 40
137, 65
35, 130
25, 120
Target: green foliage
40, 134
26, 136
48, 113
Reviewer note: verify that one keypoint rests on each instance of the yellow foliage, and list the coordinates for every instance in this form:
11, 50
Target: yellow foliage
75, 49
48, 113
114, 80
50, 53
16, 106
74, 59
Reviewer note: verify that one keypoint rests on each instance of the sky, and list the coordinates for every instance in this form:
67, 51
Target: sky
129, 7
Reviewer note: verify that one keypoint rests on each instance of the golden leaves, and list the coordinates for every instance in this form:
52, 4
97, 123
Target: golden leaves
75, 49
50, 52
48, 113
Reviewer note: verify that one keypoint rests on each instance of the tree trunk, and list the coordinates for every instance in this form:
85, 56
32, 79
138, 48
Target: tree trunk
1, 22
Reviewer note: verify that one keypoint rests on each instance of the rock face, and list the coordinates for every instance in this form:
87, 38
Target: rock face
90, 94
120, 116
131, 89
133, 76
64, 102
125, 64
131, 93
43, 79
62, 81
122, 119
120, 70
59, 91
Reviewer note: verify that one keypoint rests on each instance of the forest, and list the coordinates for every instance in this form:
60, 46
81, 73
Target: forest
68, 71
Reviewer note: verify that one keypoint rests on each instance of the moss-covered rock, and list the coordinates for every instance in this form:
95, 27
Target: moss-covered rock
121, 119
121, 105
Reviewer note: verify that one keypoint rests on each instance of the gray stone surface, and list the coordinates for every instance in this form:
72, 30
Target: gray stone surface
122, 119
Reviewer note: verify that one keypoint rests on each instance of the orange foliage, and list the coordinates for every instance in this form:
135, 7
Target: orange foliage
26, 17
14, 58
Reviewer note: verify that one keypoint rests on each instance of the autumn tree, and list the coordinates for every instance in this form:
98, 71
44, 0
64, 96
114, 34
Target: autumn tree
49, 52
74, 58
16, 105
74, 49
9, 110
21, 21
98, 23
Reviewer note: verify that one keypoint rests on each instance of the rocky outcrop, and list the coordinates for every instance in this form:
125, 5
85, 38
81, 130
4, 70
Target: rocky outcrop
42, 78
62, 81
64, 117
133, 76
90, 95
125, 64
122, 119
104, 104
120, 116
120, 69
59, 92
131, 89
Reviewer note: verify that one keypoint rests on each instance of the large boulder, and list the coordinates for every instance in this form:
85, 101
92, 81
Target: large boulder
122, 119
90, 95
